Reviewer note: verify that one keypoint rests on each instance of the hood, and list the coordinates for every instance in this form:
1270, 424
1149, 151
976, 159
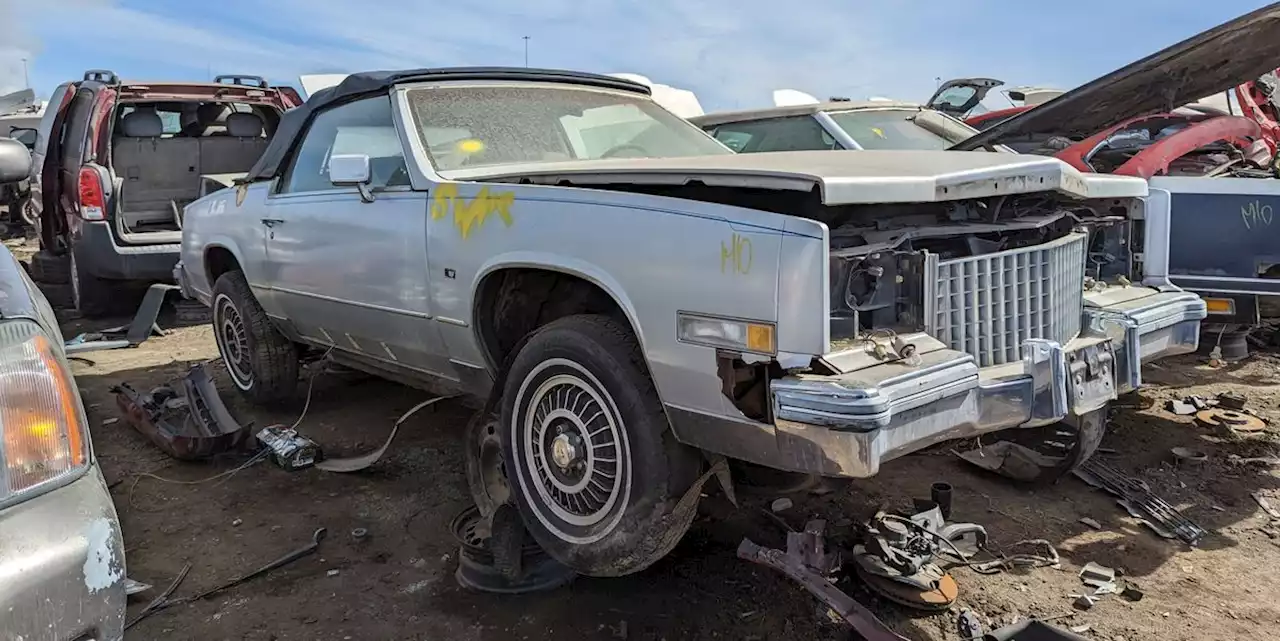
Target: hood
959, 96
1214, 61
842, 177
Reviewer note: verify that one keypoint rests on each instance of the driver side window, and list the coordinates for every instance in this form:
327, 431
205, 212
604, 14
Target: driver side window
360, 127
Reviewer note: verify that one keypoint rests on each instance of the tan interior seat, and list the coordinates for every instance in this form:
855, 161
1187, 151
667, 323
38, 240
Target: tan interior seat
238, 150
153, 172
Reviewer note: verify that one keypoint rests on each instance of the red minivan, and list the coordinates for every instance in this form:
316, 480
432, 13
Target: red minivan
116, 162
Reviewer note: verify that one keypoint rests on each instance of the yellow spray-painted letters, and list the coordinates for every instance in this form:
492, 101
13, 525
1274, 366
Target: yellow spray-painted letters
471, 213
737, 255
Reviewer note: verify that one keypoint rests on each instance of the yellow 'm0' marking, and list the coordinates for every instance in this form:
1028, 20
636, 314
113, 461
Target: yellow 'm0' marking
473, 212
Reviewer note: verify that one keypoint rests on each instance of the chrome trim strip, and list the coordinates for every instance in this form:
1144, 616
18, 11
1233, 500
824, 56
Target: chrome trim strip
343, 301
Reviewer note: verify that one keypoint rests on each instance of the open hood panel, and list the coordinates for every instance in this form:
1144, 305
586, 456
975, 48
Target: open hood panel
841, 177
1214, 61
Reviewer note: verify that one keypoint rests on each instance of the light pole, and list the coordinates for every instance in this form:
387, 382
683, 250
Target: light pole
26, 77
526, 51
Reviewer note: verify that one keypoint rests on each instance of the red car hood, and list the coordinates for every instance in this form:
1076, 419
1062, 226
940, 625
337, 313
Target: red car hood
1218, 59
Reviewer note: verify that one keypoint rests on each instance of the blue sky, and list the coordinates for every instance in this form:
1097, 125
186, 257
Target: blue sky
732, 53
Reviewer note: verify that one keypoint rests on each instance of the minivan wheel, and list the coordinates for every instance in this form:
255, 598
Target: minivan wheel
260, 361
593, 465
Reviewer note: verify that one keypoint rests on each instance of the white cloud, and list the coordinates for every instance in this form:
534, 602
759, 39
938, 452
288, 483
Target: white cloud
732, 53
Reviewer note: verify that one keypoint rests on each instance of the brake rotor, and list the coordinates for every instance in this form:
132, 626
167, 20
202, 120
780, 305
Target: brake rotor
911, 596
1230, 419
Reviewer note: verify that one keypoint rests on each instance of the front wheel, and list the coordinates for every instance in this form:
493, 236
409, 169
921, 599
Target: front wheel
595, 469
262, 362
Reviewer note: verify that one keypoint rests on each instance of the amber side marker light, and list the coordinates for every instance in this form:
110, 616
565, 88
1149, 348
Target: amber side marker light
1220, 305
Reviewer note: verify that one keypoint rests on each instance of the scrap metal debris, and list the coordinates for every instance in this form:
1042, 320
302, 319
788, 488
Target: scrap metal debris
899, 557
1032, 630
1095, 575
1009, 460
1137, 499
186, 419
1266, 505
1049, 559
135, 333
1230, 420
363, 461
500, 558
164, 601
132, 587
968, 625
807, 562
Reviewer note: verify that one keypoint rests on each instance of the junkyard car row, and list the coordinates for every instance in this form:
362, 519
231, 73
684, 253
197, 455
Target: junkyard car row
818, 288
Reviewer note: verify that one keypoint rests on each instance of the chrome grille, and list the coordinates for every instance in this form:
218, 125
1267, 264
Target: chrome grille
988, 305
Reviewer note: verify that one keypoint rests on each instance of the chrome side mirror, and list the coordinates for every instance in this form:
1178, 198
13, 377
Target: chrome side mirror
351, 170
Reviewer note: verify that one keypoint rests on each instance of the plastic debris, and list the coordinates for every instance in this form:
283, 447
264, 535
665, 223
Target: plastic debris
1266, 505
781, 505
1084, 601
1093, 523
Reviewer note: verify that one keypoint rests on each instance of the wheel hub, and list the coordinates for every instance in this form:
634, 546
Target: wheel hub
566, 450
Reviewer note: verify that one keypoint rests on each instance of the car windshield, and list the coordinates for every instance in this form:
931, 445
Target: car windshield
888, 129
477, 126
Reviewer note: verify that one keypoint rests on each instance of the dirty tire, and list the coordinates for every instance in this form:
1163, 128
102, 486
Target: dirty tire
601, 492
47, 267
1068, 443
506, 542
260, 361
93, 297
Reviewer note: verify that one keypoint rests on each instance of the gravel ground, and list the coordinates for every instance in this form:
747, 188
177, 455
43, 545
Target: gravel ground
398, 584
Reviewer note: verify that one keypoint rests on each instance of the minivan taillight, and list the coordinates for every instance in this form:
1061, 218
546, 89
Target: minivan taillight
93, 204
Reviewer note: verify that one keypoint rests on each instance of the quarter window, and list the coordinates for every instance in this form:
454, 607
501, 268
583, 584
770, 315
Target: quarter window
360, 127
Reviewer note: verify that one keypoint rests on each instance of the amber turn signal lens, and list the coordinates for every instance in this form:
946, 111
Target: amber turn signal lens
41, 421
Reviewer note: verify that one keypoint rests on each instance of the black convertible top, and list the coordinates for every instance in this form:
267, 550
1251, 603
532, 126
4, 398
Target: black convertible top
369, 83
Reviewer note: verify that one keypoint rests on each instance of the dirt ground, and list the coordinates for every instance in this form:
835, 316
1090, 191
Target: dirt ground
398, 583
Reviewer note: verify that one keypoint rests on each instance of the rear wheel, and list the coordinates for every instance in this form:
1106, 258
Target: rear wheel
261, 362
90, 295
592, 462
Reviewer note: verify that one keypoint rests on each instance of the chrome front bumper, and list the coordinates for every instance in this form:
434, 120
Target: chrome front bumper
847, 425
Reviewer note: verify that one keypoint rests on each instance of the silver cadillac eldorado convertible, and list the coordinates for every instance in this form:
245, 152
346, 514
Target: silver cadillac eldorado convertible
629, 297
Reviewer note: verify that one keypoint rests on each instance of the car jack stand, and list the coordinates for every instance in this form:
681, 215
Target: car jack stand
142, 327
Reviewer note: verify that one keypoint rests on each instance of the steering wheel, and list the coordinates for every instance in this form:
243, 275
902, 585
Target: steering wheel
614, 151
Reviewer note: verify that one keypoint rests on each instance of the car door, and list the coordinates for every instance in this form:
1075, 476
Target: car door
350, 273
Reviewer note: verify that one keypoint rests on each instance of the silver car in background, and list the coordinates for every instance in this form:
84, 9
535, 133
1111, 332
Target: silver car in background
61, 552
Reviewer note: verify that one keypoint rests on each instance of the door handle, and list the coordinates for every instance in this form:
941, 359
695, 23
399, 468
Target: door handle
272, 222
